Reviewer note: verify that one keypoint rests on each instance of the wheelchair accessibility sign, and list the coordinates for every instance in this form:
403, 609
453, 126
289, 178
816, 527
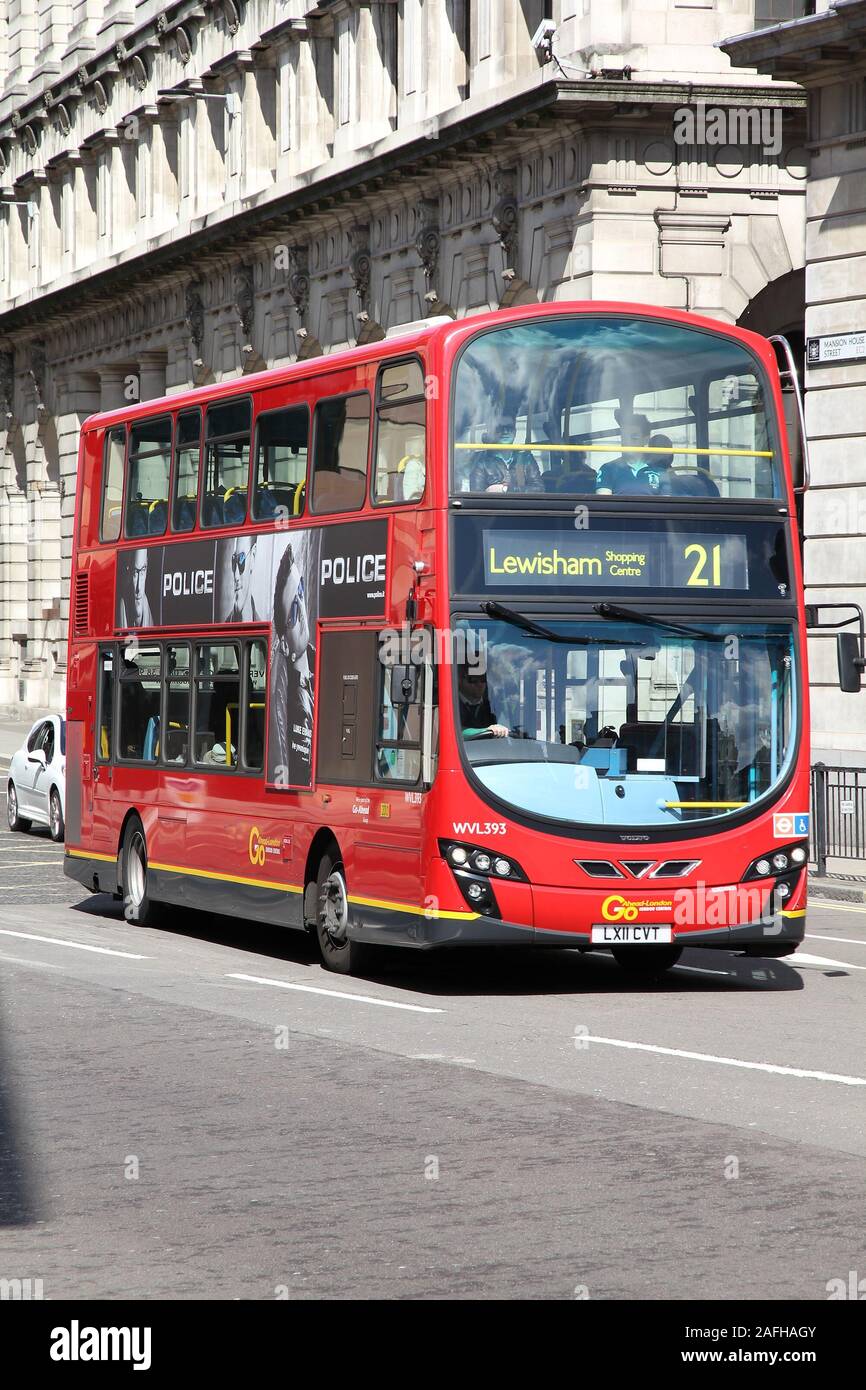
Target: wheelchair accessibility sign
793, 824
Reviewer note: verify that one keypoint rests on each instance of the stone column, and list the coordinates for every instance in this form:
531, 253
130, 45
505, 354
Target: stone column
86, 15
54, 19
112, 380
151, 375
23, 46
78, 395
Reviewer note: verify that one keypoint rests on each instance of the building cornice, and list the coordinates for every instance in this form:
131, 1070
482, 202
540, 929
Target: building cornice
467, 140
804, 50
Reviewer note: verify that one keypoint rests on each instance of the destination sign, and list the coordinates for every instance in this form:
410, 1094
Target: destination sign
616, 559
550, 557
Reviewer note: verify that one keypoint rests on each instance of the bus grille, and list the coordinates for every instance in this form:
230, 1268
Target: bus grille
81, 605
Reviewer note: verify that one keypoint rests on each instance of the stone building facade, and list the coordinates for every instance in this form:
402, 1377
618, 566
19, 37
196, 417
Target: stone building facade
826, 53
193, 189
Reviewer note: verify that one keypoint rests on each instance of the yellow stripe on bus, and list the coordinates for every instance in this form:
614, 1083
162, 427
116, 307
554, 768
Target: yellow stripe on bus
795, 912
226, 878
627, 448
281, 887
415, 911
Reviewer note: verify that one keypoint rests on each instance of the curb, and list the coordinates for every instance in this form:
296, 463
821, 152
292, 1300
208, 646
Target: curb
837, 890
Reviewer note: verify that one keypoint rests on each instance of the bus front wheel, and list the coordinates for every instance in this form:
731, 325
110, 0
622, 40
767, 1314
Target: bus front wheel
339, 953
647, 960
137, 904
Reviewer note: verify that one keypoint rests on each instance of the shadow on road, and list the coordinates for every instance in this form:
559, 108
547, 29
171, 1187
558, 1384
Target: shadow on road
18, 1203
510, 970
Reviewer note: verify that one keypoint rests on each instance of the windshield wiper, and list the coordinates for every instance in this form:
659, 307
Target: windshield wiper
510, 615
633, 615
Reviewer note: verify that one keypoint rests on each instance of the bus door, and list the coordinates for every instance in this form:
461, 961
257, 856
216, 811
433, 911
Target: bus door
100, 793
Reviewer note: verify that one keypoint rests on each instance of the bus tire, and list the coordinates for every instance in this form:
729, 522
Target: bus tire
138, 906
647, 960
16, 822
338, 952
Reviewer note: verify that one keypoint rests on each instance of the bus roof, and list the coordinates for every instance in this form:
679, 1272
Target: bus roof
410, 337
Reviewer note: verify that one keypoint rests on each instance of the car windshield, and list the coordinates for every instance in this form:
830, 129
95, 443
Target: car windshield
611, 405
617, 723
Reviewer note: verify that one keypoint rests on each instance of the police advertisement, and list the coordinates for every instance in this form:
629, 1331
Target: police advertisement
289, 581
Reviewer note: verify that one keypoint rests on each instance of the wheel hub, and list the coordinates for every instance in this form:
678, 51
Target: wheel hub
334, 912
137, 871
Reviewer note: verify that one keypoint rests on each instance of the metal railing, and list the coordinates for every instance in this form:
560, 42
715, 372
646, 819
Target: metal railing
838, 820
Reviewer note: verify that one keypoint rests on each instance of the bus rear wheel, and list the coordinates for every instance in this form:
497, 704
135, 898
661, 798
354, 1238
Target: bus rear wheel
647, 960
137, 904
338, 952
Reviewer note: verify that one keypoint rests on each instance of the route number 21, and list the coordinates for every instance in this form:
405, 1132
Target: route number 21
697, 578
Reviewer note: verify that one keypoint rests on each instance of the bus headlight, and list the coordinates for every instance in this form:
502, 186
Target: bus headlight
480, 861
779, 861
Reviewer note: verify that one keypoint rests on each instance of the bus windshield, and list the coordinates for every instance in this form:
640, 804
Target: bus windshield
608, 405
626, 724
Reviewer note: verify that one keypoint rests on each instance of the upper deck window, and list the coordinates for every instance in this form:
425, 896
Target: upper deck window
226, 463
280, 483
342, 439
187, 448
612, 406
400, 434
147, 485
112, 484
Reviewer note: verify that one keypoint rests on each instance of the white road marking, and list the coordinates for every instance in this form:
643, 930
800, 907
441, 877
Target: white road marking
845, 940
27, 863
22, 849
837, 907
803, 958
703, 970
24, 960
728, 1061
336, 994
73, 945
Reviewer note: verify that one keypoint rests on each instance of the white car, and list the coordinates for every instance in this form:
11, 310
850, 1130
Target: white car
36, 789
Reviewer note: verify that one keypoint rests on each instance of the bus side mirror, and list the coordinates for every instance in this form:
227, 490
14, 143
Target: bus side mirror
405, 685
850, 661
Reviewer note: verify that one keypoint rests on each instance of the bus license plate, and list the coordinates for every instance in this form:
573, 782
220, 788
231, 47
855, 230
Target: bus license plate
619, 934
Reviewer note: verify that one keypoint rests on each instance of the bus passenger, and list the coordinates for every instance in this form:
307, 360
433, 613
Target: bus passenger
490, 467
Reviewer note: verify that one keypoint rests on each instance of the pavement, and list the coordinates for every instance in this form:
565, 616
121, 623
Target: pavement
200, 1111
13, 732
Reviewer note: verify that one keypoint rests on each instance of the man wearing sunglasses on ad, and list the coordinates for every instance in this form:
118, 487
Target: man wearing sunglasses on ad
242, 559
292, 680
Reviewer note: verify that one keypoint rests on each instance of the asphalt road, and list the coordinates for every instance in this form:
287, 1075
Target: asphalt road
202, 1112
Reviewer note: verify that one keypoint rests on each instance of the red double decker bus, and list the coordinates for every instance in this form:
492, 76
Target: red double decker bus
491, 631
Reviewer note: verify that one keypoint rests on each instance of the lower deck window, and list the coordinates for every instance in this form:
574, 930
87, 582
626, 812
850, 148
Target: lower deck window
139, 701
217, 705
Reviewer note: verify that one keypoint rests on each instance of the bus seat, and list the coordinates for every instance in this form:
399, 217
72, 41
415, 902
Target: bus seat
185, 519
157, 514
138, 519
266, 503
214, 512
234, 506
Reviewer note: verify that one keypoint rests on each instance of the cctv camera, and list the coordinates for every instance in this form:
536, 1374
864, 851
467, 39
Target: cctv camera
542, 39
